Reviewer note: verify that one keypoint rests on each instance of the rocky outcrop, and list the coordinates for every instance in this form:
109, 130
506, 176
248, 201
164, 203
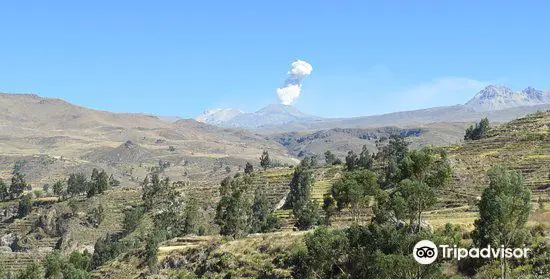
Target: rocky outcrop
7, 242
424, 226
53, 223
7, 213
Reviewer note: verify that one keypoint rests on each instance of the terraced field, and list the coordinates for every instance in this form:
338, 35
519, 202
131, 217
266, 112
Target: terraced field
35, 244
522, 145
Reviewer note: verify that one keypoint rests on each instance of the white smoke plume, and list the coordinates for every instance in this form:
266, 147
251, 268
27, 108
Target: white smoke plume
293, 84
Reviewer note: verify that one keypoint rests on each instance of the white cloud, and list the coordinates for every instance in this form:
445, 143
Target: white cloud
300, 68
293, 83
288, 93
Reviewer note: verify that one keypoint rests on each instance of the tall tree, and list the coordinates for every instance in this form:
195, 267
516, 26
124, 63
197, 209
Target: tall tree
24, 205
300, 186
234, 208
18, 185
353, 188
260, 212
99, 182
396, 149
365, 159
77, 184
504, 209
417, 176
304, 209
157, 191
417, 197
191, 216
58, 188
479, 131
248, 169
330, 158
352, 161
426, 166
265, 162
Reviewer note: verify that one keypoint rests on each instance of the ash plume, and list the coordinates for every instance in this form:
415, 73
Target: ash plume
293, 84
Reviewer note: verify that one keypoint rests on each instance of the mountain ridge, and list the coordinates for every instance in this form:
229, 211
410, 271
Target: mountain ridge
56, 137
273, 114
499, 103
495, 97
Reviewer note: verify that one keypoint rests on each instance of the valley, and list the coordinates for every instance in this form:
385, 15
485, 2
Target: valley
196, 156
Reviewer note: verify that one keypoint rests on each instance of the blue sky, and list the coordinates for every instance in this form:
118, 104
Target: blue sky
182, 57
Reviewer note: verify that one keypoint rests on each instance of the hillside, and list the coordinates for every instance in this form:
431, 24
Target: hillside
341, 140
53, 138
522, 145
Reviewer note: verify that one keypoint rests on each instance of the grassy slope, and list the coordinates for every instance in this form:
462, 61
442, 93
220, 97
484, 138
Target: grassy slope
522, 145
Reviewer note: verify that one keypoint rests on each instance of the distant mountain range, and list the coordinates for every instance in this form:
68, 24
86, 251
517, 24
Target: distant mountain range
496, 102
274, 114
499, 97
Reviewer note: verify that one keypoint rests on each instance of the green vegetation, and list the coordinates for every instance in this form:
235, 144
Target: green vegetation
304, 208
4, 194
76, 184
132, 219
376, 251
503, 212
353, 190
479, 131
233, 210
262, 220
75, 266
265, 162
330, 158
18, 185
268, 224
98, 183
248, 169
24, 206
58, 188
32, 271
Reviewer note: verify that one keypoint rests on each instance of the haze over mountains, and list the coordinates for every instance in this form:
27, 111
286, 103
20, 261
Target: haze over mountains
498, 103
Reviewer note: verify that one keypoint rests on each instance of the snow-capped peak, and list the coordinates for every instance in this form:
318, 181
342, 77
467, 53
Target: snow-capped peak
218, 115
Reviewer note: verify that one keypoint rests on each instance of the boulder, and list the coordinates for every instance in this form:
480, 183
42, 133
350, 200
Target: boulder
424, 226
7, 240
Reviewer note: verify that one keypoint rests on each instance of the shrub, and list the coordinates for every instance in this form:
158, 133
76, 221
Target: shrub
32, 271
107, 248
25, 205
96, 215
132, 218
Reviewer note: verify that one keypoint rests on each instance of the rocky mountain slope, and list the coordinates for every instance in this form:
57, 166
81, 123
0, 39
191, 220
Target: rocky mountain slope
218, 116
499, 104
53, 138
499, 97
